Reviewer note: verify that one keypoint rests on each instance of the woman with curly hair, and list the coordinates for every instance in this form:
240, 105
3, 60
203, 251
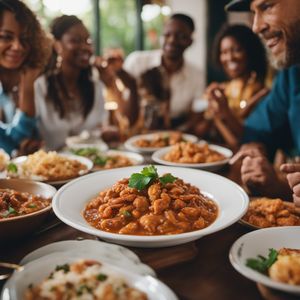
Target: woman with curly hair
69, 96
23, 54
242, 57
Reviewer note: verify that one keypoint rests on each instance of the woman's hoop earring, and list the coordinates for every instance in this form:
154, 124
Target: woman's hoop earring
59, 60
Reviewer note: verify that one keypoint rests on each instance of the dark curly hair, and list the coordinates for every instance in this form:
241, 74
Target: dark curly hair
39, 44
56, 90
250, 42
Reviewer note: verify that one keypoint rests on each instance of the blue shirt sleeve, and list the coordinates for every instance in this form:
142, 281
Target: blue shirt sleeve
268, 123
12, 134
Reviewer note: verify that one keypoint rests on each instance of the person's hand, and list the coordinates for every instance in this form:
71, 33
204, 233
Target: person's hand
29, 146
259, 176
106, 70
293, 177
250, 149
217, 101
26, 90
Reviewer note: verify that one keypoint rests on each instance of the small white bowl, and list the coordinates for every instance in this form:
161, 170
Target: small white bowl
259, 242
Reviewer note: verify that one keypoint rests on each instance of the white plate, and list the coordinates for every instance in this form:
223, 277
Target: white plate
109, 253
158, 155
35, 271
70, 200
259, 242
130, 143
87, 162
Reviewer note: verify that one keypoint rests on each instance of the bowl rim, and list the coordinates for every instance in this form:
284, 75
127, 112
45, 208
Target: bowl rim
35, 213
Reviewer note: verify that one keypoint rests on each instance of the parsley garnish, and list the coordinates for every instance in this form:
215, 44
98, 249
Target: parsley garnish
65, 268
100, 160
127, 213
83, 288
32, 205
85, 151
149, 174
12, 168
10, 211
167, 178
262, 264
101, 277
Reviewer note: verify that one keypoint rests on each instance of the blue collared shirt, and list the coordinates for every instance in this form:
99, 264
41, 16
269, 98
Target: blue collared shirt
7, 105
275, 121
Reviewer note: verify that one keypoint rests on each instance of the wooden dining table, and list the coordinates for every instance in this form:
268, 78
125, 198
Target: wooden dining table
194, 271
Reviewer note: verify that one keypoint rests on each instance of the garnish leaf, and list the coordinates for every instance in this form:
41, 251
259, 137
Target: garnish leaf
100, 160
65, 268
127, 213
262, 264
12, 168
10, 211
149, 174
85, 151
101, 277
139, 181
167, 178
150, 171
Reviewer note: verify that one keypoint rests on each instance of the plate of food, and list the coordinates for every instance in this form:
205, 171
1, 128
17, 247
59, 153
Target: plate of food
150, 206
265, 212
92, 249
81, 277
270, 256
24, 206
193, 155
50, 167
148, 143
109, 159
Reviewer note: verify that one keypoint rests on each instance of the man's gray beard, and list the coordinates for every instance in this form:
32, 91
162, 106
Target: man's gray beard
292, 54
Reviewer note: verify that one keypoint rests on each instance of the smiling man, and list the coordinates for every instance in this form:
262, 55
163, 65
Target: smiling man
275, 121
182, 80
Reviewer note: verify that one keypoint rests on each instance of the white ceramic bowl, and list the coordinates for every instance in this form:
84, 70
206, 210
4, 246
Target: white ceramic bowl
36, 270
158, 155
259, 242
71, 199
19, 226
130, 143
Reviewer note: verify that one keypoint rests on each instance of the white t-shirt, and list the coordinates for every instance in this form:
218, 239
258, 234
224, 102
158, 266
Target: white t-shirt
186, 85
54, 130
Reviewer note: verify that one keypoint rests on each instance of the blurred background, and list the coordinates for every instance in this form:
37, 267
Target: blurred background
136, 24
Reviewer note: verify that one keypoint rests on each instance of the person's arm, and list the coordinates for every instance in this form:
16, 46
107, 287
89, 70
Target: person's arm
268, 122
122, 86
